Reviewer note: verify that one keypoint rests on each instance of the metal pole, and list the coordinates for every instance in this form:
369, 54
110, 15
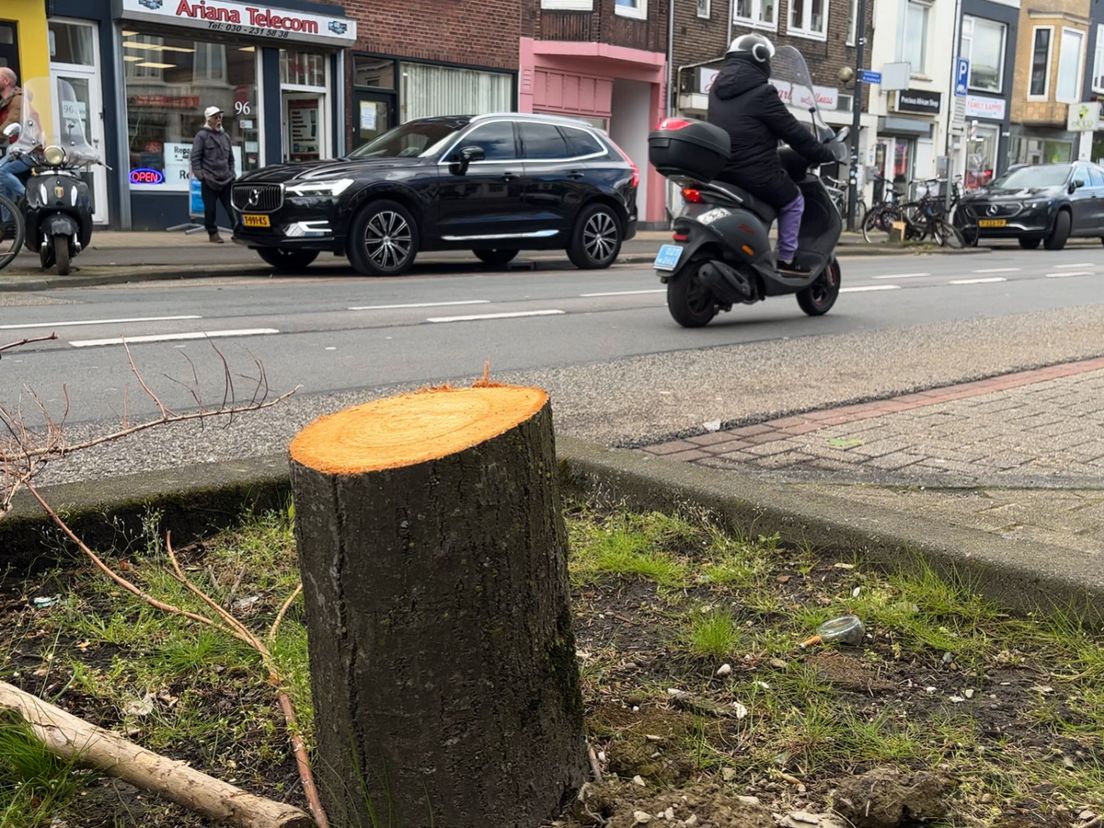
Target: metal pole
951, 102
856, 112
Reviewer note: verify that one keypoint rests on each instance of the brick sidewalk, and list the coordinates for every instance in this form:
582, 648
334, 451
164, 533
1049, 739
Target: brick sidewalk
1020, 455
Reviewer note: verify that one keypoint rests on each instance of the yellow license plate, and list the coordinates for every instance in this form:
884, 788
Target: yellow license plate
254, 220
992, 222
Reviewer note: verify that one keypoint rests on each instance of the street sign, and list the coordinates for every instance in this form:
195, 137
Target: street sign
962, 77
871, 77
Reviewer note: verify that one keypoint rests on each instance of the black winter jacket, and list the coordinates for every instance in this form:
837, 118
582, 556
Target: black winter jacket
748, 107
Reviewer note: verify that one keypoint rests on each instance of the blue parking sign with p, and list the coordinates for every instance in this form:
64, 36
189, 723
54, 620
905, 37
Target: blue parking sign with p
962, 77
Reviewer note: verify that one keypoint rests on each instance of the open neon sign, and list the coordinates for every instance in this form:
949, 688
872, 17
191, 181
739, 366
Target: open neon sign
145, 175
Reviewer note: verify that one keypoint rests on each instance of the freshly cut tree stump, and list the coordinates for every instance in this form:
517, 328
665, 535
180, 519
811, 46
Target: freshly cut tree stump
442, 653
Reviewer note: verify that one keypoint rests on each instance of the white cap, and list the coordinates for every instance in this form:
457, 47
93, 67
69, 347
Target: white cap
211, 110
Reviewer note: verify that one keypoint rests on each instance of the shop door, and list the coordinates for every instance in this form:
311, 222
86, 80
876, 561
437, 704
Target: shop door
981, 155
374, 114
304, 127
89, 110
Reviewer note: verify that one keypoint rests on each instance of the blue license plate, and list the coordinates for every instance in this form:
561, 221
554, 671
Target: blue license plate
668, 257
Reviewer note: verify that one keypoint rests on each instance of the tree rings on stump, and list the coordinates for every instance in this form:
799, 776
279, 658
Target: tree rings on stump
434, 563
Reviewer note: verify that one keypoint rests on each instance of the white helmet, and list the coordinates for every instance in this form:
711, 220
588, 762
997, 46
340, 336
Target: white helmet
755, 46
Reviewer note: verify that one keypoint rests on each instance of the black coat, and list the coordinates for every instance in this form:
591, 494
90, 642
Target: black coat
748, 107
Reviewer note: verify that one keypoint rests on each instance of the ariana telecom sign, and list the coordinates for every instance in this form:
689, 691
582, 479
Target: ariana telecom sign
248, 19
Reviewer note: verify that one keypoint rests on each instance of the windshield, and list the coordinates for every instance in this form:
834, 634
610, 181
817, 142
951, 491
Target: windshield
411, 140
54, 114
1030, 178
790, 76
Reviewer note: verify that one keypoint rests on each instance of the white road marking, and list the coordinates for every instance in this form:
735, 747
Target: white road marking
1066, 273
624, 292
96, 322
477, 317
131, 340
1072, 266
997, 270
901, 275
864, 288
423, 305
977, 281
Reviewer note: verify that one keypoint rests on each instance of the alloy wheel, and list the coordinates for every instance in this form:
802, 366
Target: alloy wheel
387, 239
600, 236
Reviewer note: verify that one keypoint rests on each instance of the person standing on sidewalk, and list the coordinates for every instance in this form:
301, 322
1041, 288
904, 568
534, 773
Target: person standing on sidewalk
213, 164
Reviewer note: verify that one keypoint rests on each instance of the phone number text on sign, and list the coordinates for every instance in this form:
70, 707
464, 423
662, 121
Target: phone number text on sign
255, 31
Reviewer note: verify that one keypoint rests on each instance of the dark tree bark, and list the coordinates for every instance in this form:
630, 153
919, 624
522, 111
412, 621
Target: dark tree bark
442, 652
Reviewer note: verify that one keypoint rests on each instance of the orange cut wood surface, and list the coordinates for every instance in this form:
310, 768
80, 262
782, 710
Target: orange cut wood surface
412, 428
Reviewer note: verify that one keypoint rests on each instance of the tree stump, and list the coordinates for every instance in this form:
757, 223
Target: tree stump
442, 652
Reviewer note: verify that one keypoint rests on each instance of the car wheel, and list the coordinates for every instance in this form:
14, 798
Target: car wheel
285, 260
1058, 235
494, 257
1029, 242
596, 238
383, 240
817, 299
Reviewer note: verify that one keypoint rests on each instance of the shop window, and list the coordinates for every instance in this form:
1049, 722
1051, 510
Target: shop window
428, 90
72, 43
913, 44
1040, 62
632, 8
302, 69
983, 45
809, 18
169, 82
374, 72
1098, 61
760, 14
1068, 89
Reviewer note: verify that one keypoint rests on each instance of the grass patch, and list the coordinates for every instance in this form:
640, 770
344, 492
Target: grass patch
34, 784
713, 634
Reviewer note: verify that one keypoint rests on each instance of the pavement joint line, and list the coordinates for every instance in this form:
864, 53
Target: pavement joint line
422, 305
794, 425
99, 322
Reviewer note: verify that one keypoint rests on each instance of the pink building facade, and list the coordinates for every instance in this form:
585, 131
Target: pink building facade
619, 88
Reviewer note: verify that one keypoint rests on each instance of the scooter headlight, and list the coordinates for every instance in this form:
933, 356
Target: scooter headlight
54, 155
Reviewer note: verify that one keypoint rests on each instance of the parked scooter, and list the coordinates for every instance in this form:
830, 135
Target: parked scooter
722, 254
58, 209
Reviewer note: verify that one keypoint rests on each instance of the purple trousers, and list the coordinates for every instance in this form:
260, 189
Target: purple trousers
789, 223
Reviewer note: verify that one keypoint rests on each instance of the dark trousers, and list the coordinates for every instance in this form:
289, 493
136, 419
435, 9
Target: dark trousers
211, 198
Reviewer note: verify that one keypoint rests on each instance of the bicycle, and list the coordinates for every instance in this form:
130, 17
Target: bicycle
879, 219
837, 191
11, 231
927, 216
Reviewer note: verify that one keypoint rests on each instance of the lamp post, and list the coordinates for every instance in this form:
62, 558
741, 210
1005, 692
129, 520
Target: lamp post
856, 112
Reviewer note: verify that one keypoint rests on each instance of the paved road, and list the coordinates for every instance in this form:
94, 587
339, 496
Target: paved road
620, 370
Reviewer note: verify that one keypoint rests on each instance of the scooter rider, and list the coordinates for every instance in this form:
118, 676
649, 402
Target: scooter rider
743, 103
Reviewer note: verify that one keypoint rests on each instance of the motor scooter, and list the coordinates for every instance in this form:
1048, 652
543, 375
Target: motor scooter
722, 255
58, 207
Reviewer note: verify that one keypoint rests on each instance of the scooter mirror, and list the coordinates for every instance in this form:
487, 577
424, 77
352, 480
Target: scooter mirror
841, 136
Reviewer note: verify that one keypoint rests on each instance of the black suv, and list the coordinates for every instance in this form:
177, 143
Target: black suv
493, 184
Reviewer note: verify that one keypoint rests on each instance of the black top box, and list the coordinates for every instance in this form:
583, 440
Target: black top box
689, 148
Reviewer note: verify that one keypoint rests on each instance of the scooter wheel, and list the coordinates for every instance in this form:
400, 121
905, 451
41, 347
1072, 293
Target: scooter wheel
690, 302
817, 299
61, 254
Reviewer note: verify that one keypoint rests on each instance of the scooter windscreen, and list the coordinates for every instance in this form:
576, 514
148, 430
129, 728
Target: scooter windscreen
55, 115
790, 75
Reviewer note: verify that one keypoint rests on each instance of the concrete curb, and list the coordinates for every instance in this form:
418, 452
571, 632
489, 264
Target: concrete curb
12, 281
195, 500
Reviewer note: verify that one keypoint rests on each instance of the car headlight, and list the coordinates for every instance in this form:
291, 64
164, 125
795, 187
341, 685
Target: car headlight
54, 155
320, 188
1037, 205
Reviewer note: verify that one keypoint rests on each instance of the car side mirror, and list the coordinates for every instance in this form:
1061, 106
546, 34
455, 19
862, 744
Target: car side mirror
1076, 184
466, 157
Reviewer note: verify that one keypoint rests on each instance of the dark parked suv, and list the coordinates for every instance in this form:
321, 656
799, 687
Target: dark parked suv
493, 184
1046, 203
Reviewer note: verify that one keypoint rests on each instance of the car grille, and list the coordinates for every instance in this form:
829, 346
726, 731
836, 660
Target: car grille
1003, 209
257, 198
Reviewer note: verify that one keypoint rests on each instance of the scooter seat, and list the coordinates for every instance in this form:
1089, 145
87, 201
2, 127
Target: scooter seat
756, 205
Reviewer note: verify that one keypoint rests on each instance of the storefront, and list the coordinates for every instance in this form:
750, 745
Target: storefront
905, 149
615, 87
149, 68
981, 145
1042, 145
389, 90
